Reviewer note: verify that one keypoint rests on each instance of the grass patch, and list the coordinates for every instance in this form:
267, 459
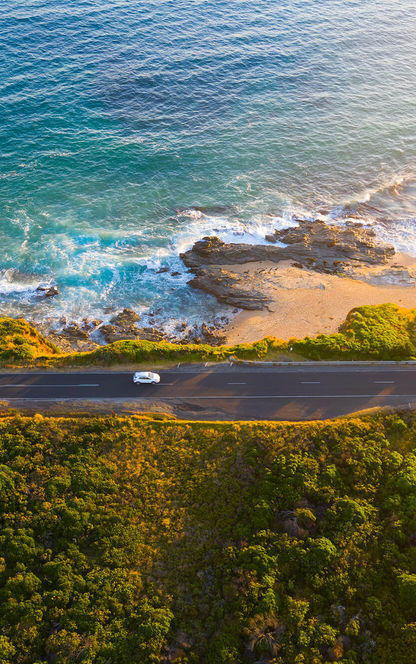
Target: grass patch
139, 352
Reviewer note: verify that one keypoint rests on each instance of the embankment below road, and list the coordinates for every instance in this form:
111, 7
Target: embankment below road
383, 332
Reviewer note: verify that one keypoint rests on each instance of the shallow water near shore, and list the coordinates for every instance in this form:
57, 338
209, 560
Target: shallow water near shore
131, 129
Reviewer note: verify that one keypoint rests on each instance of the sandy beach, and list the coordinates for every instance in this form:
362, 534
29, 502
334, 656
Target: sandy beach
307, 303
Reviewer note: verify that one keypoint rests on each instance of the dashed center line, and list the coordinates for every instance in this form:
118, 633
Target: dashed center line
384, 382
310, 382
236, 383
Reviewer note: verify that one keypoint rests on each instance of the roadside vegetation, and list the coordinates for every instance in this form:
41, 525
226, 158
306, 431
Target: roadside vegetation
140, 540
372, 332
21, 343
381, 332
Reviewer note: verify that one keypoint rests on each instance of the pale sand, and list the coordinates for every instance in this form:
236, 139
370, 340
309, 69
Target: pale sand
307, 303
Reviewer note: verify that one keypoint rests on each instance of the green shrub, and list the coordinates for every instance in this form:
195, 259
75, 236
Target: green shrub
407, 589
372, 332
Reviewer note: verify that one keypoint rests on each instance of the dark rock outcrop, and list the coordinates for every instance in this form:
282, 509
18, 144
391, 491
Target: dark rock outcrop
313, 244
229, 287
212, 336
47, 290
197, 334
74, 330
213, 251
125, 319
151, 334
111, 333
123, 326
333, 246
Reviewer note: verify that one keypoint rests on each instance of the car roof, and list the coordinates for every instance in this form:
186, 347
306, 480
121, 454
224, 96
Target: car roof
144, 374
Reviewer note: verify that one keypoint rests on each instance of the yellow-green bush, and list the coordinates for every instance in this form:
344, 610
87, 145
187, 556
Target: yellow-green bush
20, 342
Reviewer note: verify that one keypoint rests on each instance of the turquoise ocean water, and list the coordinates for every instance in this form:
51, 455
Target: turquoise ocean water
119, 117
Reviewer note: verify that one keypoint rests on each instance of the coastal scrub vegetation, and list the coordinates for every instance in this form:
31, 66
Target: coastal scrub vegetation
20, 342
372, 332
136, 540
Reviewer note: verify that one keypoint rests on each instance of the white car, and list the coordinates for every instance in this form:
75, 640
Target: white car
146, 377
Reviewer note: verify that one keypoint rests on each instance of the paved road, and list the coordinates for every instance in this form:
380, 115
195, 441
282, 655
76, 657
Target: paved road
294, 393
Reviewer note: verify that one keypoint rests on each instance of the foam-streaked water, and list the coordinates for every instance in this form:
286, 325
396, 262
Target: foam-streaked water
117, 117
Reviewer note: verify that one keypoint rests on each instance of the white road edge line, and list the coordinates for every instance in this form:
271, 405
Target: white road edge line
295, 396
267, 396
291, 396
143, 398
35, 385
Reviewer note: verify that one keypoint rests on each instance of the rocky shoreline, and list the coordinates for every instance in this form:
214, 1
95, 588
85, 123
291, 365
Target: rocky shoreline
312, 256
125, 325
312, 245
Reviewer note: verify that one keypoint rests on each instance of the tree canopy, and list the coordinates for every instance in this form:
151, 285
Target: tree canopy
135, 540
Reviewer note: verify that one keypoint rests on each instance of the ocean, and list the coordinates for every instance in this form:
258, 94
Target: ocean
129, 129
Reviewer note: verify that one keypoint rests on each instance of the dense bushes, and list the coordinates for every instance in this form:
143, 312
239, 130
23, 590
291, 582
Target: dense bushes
136, 540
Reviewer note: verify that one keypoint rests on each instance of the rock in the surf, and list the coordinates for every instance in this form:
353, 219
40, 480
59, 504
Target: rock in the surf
47, 290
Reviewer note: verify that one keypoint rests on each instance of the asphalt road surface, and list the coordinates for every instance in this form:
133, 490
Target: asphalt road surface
295, 393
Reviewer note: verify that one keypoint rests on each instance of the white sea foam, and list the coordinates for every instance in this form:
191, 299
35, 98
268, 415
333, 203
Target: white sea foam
389, 207
400, 233
125, 272
390, 185
13, 284
228, 229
